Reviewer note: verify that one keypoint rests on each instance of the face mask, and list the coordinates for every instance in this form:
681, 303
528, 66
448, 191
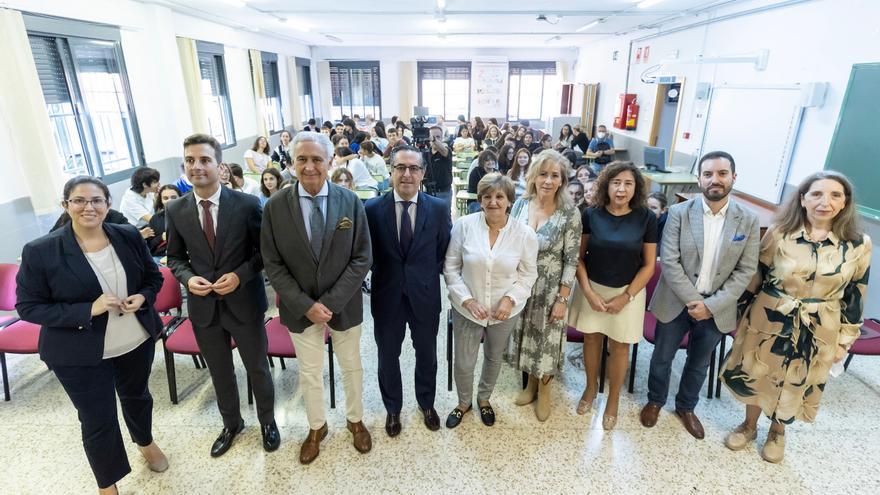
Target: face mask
600, 135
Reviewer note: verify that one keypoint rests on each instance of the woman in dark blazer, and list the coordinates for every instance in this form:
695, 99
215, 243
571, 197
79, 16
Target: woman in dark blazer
92, 285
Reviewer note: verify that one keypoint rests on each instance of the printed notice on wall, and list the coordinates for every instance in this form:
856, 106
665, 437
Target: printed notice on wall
489, 89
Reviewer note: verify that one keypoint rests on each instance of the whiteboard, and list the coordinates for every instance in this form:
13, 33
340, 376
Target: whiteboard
758, 126
489, 89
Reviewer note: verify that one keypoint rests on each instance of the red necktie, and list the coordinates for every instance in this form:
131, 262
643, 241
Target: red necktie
208, 222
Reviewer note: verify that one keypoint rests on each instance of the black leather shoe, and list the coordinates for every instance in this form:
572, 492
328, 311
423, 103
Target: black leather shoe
392, 424
432, 419
454, 418
271, 437
487, 414
224, 441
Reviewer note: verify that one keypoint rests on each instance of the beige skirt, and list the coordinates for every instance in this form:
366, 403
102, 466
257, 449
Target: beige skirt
625, 327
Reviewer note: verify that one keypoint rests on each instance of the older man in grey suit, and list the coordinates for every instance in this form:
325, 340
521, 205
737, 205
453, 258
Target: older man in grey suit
709, 255
316, 249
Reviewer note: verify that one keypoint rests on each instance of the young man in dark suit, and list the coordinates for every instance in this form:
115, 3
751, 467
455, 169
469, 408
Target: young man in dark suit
214, 251
409, 232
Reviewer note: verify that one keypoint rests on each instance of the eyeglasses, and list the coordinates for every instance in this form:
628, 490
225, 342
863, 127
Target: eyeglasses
412, 169
80, 203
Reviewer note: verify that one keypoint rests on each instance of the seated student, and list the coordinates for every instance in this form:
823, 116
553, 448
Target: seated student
327, 129
584, 174
590, 191
281, 155
579, 143
242, 183
378, 137
225, 175
546, 143
359, 137
658, 203
505, 157
463, 143
338, 129
478, 132
565, 137
572, 158
394, 141
182, 183
340, 140
522, 159
342, 177
602, 145
158, 242
270, 182
137, 201
349, 129
487, 162
257, 158
312, 126
476, 161
403, 131
375, 164
361, 176
528, 142
493, 137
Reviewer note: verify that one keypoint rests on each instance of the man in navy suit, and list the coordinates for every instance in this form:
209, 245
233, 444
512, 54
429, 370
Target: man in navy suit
409, 231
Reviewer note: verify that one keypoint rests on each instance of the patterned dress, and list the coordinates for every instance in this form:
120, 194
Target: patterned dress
809, 299
536, 346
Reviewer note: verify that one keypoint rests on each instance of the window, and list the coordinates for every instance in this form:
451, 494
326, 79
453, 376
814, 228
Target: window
215, 92
355, 89
445, 88
533, 90
89, 104
273, 118
304, 83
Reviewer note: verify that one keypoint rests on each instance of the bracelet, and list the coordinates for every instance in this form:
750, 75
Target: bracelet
562, 299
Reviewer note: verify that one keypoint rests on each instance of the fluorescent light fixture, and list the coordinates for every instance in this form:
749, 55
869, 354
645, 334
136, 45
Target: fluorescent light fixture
648, 3
333, 38
587, 26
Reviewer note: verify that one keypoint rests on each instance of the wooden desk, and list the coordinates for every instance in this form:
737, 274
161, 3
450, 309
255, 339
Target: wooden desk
765, 211
589, 155
458, 183
666, 181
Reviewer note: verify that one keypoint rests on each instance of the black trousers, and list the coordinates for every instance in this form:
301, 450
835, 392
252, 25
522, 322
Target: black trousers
390, 330
93, 390
216, 346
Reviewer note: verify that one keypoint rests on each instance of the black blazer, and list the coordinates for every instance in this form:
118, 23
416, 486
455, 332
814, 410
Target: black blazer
416, 273
236, 249
156, 243
56, 287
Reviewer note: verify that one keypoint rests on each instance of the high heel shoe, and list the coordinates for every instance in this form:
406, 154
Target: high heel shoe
585, 406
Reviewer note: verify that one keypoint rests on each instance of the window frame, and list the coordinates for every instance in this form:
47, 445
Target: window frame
62, 31
304, 66
217, 52
269, 60
445, 66
375, 70
548, 68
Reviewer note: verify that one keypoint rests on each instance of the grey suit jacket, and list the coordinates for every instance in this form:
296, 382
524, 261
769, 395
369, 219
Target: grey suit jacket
682, 254
335, 277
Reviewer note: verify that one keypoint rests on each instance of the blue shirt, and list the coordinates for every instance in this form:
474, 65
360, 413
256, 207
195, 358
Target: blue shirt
594, 143
305, 204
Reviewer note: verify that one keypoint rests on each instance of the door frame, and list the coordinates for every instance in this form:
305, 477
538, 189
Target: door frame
659, 98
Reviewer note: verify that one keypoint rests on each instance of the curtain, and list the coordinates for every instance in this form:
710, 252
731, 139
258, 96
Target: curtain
296, 114
563, 70
192, 82
24, 120
259, 92
326, 91
408, 90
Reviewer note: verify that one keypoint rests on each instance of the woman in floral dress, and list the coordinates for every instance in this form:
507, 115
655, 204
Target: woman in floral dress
536, 346
806, 311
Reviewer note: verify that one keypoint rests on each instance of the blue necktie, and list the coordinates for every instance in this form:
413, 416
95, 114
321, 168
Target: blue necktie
406, 233
316, 226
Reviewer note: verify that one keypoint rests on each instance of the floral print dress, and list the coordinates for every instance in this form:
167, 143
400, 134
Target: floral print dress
536, 345
809, 297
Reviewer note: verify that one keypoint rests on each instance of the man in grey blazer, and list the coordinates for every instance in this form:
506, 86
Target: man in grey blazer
709, 255
316, 250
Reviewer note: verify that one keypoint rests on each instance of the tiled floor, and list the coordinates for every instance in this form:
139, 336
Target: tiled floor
40, 448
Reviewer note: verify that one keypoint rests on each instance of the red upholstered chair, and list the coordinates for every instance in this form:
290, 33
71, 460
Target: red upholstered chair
177, 335
868, 343
281, 346
16, 336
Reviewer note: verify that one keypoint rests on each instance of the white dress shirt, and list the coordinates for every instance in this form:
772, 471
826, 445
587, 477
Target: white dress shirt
305, 204
473, 270
215, 206
713, 225
398, 206
135, 207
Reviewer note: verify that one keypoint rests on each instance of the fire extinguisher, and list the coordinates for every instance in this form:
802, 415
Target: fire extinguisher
632, 115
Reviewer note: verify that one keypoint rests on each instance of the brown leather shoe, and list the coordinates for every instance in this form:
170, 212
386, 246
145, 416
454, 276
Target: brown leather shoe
312, 445
649, 414
360, 436
691, 423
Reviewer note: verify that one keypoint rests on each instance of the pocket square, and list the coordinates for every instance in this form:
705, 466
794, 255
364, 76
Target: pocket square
344, 224
739, 237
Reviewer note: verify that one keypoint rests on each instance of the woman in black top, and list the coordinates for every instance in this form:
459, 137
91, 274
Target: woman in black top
487, 162
505, 158
617, 256
158, 242
281, 154
580, 143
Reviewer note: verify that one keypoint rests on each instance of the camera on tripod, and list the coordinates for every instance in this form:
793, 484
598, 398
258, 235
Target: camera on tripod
421, 135
422, 139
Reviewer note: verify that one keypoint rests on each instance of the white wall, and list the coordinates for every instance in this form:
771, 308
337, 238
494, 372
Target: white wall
813, 41
390, 57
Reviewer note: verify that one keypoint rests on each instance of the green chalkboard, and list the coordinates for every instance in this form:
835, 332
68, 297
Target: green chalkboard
855, 148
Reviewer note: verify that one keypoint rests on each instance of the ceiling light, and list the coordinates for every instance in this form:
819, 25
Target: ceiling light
648, 3
588, 26
333, 38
